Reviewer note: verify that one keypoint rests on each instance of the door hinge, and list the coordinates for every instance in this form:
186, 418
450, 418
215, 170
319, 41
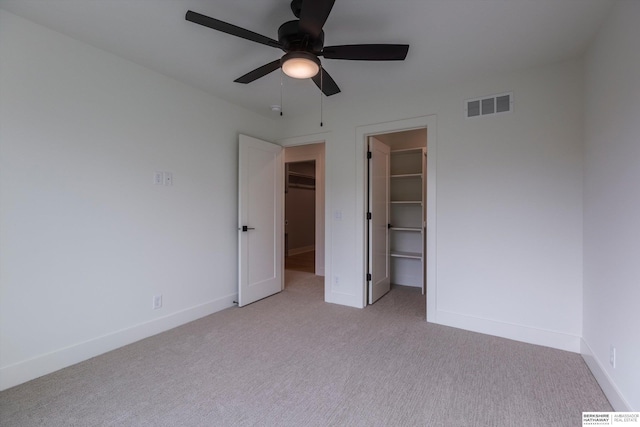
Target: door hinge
368, 215
368, 277
369, 155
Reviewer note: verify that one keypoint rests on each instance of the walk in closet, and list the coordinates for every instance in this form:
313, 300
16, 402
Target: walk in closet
397, 211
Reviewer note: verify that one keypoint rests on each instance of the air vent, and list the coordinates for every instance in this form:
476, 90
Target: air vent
489, 105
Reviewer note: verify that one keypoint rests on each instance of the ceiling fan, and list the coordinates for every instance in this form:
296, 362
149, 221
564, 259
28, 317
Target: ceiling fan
302, 40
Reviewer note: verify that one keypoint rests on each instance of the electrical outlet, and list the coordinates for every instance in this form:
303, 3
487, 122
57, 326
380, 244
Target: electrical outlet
612, 356
336, 281
157, 302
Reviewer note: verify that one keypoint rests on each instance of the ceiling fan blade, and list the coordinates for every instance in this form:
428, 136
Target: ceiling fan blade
367, 52
325, 83
259, 72
230, 29
313, 15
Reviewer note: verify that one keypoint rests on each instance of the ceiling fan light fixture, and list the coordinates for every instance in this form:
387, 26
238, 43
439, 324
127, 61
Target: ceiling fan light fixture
300, 65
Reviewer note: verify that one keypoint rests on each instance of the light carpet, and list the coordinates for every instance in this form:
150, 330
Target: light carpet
294, 360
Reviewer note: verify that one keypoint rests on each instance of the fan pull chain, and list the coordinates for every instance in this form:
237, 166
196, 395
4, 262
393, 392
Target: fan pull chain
321, 93
281, 85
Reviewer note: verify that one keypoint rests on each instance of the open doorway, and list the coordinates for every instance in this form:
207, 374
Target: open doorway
304, 242
396, 214
300, 216
362, 137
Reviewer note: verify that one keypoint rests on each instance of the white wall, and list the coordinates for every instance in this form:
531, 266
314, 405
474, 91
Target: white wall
509, 201
86, 238
612, 206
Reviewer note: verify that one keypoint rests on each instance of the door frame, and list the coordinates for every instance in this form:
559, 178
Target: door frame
319, 138
293, 157
362, 135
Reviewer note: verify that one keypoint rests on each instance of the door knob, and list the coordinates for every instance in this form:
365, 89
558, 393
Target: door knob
245, 228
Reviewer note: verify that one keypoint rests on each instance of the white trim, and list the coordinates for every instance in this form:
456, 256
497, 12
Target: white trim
543, 337
342, 298
316, 138
38, 366
607, 384
291, 155
362, 133
319, 138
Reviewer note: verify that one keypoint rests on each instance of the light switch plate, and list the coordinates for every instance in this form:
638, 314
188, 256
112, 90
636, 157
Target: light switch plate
158, 178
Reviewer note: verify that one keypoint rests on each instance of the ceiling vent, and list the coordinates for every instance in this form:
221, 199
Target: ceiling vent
489, 105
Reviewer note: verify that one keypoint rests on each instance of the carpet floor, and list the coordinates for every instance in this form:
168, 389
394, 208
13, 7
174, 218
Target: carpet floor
301, 262
293, 360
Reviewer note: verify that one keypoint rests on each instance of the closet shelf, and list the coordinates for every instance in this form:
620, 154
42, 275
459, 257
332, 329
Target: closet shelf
300, 180
412, 229
407, 175
408, 150
407, 194
406, 202
410, 255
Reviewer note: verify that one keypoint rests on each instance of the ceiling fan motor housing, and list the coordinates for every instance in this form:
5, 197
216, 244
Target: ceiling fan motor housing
296, 7
292, 39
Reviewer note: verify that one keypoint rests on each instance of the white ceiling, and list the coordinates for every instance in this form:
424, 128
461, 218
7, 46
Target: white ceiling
449, 39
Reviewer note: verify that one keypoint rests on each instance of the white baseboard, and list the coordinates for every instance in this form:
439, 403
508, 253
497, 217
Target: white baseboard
27, 370
607, 385
349, 300
302, 250
515, 332
406, 280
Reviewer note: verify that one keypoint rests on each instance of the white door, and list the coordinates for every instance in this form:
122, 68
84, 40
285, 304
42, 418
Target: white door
380, 282
260, 219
